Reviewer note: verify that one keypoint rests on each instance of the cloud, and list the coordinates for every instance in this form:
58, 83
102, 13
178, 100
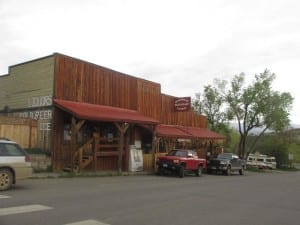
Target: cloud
183, 45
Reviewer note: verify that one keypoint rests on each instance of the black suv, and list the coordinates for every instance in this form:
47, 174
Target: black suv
226, 163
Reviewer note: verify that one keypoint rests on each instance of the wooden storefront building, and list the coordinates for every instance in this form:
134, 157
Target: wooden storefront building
98, 115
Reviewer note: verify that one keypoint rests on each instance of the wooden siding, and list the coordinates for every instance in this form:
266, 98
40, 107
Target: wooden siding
61, 152
81, 81
148, 96
148, 161
107, 163
76, 80
188, 118
27, 80
22, 131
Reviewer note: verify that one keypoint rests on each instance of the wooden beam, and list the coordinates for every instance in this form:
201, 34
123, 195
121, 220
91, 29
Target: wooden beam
81, 150
73, 142
96, 136
79, 125
122, 127
153, 147
75, 127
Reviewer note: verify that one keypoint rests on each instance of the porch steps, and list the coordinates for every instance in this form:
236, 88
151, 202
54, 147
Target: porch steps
85, 161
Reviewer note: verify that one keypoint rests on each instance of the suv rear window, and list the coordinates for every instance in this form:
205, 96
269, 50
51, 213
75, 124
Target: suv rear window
10, 149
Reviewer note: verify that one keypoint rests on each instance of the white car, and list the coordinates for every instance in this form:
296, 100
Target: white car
15, 164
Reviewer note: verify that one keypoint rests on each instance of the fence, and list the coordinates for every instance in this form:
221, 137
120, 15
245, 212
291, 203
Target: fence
21, 130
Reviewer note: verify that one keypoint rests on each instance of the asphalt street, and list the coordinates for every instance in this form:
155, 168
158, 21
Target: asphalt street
253, 199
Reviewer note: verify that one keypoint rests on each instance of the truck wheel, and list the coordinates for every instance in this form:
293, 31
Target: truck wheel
228, 171
181, 172
199, 171
241, 171
6, 179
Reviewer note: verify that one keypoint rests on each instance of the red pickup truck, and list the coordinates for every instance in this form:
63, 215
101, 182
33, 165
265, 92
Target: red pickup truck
181, 161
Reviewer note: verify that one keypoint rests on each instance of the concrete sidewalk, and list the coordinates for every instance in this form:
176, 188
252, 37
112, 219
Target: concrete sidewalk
87, 174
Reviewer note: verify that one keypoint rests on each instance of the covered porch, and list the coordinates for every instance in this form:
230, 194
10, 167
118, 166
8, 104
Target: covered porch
95, 137
90, 137
168, 137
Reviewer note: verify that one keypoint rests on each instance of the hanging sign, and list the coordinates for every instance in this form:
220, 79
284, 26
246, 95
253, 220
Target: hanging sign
182, 104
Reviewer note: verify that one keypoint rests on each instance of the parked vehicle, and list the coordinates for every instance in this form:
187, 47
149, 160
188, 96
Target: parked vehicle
261, 161
15, 164
226, 163
271, 162
181, 161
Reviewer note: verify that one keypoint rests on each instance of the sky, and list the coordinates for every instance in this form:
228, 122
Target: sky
183, 45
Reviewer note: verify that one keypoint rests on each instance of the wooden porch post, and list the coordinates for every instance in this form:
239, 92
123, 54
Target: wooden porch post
75, 127
122, 127
73, 142
154, 149
96, 136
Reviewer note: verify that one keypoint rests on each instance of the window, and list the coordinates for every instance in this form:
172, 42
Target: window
9, 149
235, 157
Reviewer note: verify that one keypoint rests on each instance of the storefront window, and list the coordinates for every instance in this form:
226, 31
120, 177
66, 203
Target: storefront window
67, 132
162, 147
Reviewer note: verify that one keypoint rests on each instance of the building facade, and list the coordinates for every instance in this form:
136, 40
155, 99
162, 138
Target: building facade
91, 117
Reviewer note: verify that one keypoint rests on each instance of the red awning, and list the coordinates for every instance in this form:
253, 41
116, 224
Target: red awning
95, 112
177, 131
164, 130
202, 133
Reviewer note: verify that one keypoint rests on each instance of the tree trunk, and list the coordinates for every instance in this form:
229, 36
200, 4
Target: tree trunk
242, 146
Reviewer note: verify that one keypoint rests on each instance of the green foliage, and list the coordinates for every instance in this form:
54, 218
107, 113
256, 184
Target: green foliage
273, 145
232, 138
294, 148
234, 141
253, 105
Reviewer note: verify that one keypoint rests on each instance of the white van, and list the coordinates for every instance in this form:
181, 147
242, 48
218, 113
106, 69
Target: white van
271, 162
261, 161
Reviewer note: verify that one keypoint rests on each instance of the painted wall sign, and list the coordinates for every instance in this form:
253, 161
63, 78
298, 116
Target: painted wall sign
182, 104
43, 116
36, 114
40, 101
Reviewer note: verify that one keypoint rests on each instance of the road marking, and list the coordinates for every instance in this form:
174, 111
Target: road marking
22, 209
4, 196
87, 222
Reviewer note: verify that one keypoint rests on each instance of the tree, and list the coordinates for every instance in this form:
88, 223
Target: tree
254, 105
211, 105
257, 106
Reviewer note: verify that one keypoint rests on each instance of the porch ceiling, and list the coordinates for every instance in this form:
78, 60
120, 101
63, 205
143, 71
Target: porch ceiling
95, 112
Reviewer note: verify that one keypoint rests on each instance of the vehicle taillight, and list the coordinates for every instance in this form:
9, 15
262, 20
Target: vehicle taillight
27, 158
